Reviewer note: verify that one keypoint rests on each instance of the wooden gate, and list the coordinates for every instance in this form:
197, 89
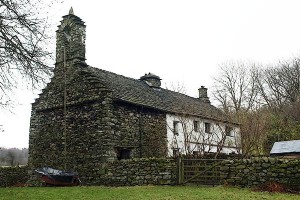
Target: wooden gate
198, 171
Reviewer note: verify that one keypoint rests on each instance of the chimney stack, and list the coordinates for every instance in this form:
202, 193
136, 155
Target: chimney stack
152, 80
203, 95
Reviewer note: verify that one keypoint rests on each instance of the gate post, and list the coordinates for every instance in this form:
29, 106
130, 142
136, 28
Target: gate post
179, 170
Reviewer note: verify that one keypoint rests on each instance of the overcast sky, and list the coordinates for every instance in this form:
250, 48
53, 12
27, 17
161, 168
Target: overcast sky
180, 41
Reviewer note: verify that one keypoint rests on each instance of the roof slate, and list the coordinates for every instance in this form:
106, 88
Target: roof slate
283, 147
138, 92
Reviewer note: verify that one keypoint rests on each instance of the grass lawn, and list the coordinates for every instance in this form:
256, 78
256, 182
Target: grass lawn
137, 192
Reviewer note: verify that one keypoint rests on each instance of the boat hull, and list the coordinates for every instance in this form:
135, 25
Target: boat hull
58, 177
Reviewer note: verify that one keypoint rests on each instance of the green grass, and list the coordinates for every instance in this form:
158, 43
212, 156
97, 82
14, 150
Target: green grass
138, 192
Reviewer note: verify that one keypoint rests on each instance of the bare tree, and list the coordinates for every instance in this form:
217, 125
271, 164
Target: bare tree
235, 87
280, 85
176, 87
253, 131
237, 90
23, 44
265, 101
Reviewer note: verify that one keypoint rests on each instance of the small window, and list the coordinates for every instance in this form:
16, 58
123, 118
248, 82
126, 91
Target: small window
123, 154
228, 131
196, 126
175, 127
207, 127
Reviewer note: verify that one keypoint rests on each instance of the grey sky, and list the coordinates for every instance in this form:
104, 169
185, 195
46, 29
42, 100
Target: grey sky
181, 41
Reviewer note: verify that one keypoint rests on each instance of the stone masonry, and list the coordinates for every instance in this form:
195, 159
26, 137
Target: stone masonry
77, 124
259, 171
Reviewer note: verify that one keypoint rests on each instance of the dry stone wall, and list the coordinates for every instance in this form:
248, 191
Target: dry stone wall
162, 171
13, 176
258, 171
143, 171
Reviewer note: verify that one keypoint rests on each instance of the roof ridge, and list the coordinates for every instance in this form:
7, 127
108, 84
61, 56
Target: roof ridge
96, 68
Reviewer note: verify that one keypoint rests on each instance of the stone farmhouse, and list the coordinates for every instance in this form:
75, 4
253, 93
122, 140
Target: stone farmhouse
86, 116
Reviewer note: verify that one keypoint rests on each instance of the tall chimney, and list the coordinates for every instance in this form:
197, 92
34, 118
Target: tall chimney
203, 95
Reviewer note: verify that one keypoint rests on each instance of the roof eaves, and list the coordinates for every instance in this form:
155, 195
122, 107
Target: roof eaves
172, 112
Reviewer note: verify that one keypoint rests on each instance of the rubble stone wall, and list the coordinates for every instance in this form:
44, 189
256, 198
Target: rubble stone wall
162, 171
93, 128
143, 171
81, 138
13, 176
143, 129
257, 171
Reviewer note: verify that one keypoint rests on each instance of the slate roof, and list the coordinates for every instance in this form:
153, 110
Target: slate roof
139, 93
284, 147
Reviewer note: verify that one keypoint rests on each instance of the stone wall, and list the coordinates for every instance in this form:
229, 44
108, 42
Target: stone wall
13, 176
142, 129
77, 124
257, 171
94, 127
85, 129
162, 171
143, 171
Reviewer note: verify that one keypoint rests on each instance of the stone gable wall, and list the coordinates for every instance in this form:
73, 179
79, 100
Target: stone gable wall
88, 127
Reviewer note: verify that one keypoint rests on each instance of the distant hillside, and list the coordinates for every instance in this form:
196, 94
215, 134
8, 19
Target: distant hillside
13, 156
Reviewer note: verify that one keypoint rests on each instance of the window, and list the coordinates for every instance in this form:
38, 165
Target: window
123, 153
207, 127
228, 131
175, 127
196, 126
